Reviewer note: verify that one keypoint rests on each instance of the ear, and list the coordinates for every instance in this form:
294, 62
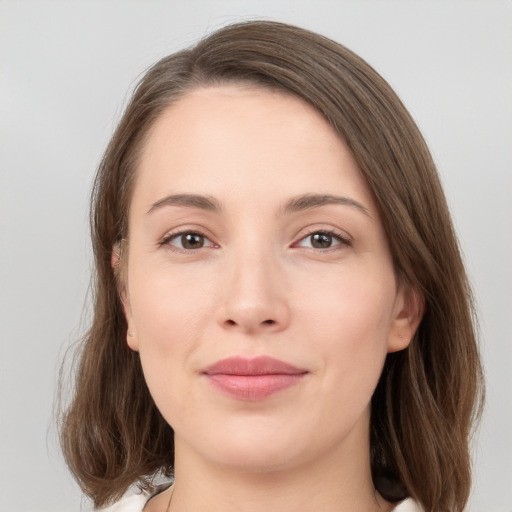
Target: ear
407, 315
115, 261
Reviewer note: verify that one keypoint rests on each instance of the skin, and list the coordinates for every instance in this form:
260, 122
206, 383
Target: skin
255, 285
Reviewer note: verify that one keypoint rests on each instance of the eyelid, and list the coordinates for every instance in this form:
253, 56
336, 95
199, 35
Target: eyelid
342, 237
170, 235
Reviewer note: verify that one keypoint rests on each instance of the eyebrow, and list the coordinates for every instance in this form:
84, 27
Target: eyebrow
293, 205
308, 201
207, 203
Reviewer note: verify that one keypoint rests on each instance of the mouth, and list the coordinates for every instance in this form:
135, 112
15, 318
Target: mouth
252, 379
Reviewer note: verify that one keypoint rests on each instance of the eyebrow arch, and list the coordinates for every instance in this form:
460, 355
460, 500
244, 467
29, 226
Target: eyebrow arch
189, 201
307, 201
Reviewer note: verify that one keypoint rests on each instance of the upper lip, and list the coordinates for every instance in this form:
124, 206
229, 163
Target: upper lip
262, 365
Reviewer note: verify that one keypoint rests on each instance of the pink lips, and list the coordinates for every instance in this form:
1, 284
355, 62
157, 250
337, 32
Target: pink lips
252, 379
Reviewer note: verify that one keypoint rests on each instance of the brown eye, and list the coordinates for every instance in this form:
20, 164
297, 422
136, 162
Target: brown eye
324, 240
187, 241
192, 241
321, 240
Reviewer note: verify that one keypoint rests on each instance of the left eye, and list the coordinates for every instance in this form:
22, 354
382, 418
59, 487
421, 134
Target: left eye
188, 240
322, 240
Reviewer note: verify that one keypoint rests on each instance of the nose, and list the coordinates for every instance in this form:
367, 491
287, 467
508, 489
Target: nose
255, 298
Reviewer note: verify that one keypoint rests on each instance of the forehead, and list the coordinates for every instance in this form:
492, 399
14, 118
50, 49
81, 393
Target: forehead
243, 141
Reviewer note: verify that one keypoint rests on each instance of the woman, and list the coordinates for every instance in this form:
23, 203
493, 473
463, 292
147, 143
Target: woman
282, 320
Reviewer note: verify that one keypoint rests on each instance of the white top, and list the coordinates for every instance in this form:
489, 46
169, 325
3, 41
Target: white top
136, 503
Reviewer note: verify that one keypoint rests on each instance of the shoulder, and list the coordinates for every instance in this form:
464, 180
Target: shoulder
134, 501
131, 503
408, 505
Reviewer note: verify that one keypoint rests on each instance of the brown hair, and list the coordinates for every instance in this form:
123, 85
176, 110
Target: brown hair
428, 396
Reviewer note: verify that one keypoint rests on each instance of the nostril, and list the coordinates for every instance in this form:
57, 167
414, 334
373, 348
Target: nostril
249, 324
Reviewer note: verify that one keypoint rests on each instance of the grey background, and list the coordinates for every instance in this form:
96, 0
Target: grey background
65, 72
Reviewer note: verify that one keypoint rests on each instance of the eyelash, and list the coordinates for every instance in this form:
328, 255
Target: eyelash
171, 236
343, 241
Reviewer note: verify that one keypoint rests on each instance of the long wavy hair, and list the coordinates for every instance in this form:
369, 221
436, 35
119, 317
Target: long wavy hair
429, 394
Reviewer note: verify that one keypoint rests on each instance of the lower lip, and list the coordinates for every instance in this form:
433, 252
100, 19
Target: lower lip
253, 387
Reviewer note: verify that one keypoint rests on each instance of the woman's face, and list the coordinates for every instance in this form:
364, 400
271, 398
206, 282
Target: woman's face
260, 289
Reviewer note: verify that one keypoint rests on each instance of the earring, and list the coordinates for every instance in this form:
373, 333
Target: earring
130, 333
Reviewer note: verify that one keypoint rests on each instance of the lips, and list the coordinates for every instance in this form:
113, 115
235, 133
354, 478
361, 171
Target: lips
252, 379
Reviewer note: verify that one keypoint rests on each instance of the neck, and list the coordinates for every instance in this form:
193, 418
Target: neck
337, 481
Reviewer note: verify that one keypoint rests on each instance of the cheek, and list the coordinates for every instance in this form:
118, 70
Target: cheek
349, 326
354, 302
350, 316
169, 308
169, 316
170, 312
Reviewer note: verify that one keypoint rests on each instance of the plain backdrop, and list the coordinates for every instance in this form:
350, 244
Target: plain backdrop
66, 69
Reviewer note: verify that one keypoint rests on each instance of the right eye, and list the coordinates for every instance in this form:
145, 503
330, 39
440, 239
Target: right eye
187, 241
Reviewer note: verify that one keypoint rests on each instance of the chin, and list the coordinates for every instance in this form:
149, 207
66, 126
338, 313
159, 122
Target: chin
253, 445
267, 448
256, 459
